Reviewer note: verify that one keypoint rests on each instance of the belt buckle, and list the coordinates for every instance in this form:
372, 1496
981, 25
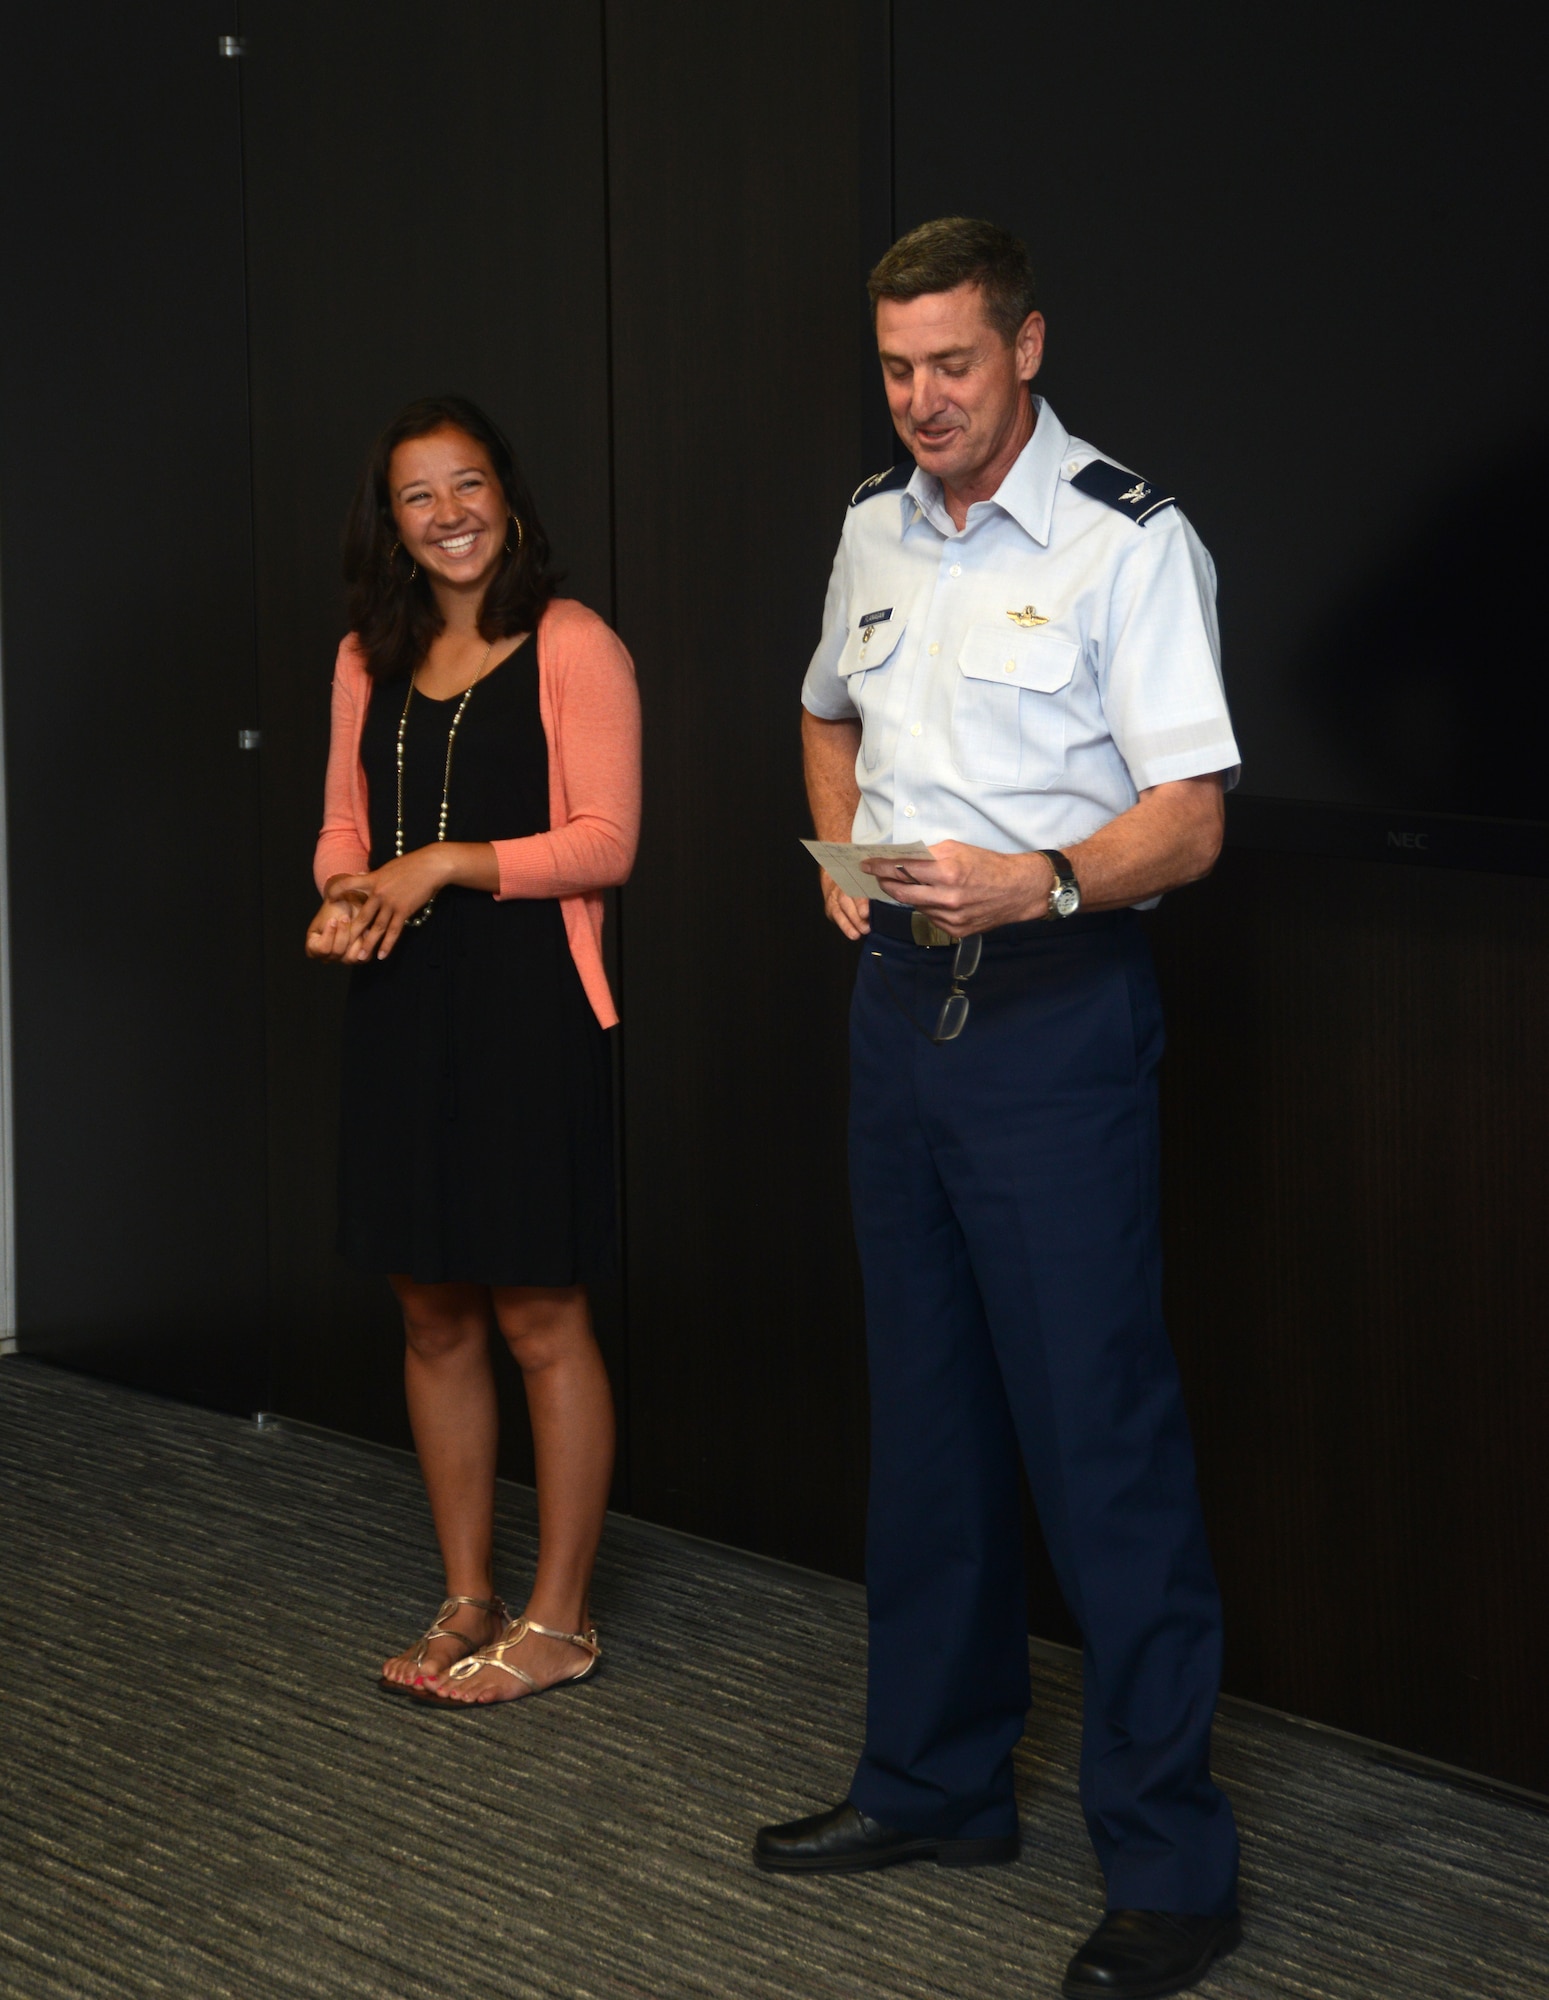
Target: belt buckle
923, 931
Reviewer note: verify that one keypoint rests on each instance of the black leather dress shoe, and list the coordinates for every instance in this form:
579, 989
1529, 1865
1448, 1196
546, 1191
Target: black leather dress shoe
844, 1838
1142, 1954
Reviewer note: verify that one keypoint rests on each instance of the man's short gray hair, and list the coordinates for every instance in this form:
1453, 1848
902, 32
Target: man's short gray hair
960, 250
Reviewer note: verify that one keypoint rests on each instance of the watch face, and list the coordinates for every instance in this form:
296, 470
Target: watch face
1067, 900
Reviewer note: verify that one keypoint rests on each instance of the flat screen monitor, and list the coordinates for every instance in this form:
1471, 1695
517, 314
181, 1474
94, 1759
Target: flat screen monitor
1293, 268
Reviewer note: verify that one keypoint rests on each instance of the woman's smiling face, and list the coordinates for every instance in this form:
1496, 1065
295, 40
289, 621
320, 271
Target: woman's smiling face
449, 509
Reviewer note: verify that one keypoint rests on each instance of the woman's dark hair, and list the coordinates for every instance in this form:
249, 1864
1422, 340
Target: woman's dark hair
393, 613
960, 250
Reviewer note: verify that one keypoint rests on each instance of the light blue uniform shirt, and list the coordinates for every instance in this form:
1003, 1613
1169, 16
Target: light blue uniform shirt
984, 727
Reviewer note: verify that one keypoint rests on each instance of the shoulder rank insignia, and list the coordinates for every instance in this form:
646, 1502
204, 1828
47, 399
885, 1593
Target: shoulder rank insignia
1121, 490
894, 480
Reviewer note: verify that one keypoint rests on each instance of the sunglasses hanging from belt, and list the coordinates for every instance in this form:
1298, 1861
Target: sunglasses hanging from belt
953, 1017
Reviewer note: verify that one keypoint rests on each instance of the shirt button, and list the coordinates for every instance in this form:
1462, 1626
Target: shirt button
955, 570
1011, 666
1072, 466
914, 729
908, 812
934, 649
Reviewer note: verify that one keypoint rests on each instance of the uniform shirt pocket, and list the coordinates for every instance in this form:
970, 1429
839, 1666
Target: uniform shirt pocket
869, 666
1008, 708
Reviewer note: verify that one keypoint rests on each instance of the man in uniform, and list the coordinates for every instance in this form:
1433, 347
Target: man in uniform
1019, 666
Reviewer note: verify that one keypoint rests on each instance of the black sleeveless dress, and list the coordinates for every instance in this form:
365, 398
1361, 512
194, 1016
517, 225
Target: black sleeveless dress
477, 1139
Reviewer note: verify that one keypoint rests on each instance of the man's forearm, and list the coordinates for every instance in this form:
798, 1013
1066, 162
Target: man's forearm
1170, 837
828, 754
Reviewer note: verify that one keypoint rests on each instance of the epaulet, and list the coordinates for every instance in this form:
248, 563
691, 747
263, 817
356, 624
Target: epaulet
1121, 490
894, 480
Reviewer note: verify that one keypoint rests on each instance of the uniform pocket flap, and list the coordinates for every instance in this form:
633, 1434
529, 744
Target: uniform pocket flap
1042, 661
869, 645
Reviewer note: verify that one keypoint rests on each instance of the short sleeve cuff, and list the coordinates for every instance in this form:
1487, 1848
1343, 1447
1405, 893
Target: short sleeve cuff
829, 708
1188, 750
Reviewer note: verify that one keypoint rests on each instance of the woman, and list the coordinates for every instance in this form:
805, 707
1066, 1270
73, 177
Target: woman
483, 789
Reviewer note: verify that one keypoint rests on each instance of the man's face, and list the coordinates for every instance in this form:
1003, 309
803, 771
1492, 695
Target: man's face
953, 384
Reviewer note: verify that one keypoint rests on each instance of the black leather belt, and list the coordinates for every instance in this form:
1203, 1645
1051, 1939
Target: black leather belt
891, 920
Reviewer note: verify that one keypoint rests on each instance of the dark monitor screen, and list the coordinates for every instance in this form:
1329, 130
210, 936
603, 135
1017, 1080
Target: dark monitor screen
1292, 268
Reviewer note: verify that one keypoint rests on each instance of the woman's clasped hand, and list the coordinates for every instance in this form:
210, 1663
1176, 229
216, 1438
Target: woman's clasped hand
336, 931
363, 916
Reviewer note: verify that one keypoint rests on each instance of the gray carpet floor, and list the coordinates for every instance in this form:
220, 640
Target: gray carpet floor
204, 1796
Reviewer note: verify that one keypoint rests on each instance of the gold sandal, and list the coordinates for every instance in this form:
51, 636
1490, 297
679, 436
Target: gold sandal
439, 1630
494, 1656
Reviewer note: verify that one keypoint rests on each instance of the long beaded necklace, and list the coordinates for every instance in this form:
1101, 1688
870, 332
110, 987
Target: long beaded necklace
421, 916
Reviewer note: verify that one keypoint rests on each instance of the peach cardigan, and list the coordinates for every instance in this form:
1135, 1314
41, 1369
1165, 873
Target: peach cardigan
591, 718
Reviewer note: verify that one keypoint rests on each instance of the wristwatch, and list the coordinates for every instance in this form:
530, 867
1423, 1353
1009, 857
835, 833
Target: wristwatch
1065, 896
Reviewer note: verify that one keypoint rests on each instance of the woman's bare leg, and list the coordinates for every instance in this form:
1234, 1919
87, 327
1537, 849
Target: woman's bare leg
450, 1388
571, 1408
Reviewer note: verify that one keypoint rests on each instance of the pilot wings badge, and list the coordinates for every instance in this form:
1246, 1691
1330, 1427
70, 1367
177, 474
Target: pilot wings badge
1027, 617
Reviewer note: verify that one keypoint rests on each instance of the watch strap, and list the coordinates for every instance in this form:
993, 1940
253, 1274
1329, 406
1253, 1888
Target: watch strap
1064, 876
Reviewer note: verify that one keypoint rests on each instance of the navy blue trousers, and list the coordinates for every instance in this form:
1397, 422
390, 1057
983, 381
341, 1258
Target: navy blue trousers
1005, 1196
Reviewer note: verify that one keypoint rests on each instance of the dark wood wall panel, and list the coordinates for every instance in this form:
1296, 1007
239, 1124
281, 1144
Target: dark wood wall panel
426, 213
739, 321
1357, 1169
128, 656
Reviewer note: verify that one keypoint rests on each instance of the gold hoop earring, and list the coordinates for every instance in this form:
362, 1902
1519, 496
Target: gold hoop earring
392, 568
519, 538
